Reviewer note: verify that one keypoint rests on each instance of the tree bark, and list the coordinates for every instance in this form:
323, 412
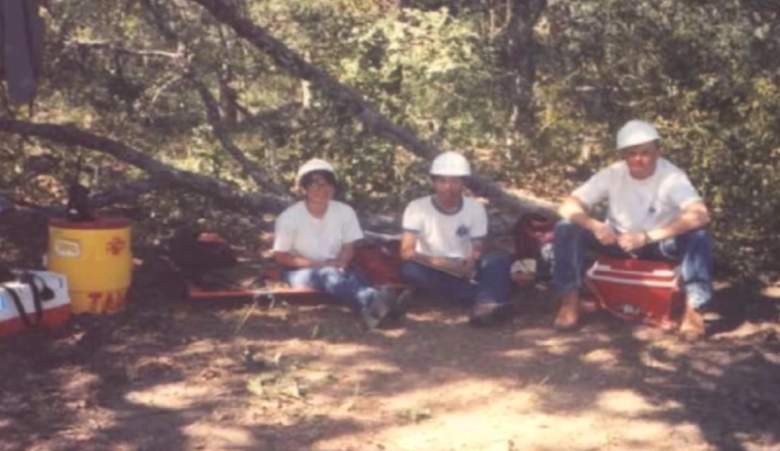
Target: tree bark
518, 57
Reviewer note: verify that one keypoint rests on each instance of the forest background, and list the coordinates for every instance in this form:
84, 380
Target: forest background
200, 111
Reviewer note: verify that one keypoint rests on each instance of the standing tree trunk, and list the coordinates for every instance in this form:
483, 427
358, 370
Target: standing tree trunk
517, 55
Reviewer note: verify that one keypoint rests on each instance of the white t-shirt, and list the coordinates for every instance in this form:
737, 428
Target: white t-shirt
639, 205
445, 235
300, 233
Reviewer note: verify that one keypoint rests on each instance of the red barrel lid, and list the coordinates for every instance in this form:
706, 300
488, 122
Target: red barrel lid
99, 223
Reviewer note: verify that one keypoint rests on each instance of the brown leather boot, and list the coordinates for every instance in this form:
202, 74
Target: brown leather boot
569, 313
692, 325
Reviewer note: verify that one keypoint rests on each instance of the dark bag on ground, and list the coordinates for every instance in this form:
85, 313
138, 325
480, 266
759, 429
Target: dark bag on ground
533, 236
241, 277
379, 261
197, 253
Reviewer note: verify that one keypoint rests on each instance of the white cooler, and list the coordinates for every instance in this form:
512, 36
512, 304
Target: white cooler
52, 289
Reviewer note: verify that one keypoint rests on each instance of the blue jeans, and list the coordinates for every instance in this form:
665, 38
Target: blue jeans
692, 249
346, 285
491, 284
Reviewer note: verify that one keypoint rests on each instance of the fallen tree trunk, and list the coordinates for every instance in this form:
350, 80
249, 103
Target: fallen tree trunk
127, 193
163, 176
161, 173
297, 66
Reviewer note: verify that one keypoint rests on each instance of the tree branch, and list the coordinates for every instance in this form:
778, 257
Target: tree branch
128, 192
119, 49
215, 120
366, 113
299, 67
207, 186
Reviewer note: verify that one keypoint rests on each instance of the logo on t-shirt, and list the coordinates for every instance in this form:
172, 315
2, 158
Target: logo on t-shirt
462, 232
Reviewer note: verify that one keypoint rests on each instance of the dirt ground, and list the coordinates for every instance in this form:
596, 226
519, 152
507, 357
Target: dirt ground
303, 374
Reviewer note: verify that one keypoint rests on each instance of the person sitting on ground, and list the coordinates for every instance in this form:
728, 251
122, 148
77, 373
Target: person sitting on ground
653, 212
443, 240
314, 243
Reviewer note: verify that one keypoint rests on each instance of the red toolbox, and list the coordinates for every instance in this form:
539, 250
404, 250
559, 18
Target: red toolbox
638, 290
50, 290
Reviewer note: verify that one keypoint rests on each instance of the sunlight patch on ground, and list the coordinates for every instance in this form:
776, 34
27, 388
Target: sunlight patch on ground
535, 333
557, 345
623, 402
170, 396
350, 350
218, 436
478, 415
437, 317
461, 394
78, 382
519, 354
601, 357
772, 291
196, 348
360, 362
711, 367
658, 336
649, 360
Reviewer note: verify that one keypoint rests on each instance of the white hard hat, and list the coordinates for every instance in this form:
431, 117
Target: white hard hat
636, 132
315, 164
450, 164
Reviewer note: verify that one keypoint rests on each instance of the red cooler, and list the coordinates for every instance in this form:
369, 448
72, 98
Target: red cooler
638, 290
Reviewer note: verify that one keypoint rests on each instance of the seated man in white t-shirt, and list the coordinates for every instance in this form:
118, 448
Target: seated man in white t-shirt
314, 242
443, 240
653, 211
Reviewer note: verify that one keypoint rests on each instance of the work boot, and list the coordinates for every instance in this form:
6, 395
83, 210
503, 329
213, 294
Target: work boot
401, 303
486, 313
569, 313
394, 302
375, 312
692, 325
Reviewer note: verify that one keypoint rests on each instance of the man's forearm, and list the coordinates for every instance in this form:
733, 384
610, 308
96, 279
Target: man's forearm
691, 218
429, 260
453, 266
448, 265
477, 247
345, 255
293, 260
573, 211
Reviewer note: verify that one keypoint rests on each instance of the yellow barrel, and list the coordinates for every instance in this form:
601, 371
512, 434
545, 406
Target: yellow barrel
95, 257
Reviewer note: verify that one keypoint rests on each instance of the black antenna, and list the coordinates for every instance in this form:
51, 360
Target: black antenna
78, 209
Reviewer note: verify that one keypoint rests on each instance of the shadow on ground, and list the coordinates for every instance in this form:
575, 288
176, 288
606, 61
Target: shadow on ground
302, 374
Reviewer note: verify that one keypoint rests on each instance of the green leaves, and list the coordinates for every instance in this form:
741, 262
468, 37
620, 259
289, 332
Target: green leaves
705, 72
